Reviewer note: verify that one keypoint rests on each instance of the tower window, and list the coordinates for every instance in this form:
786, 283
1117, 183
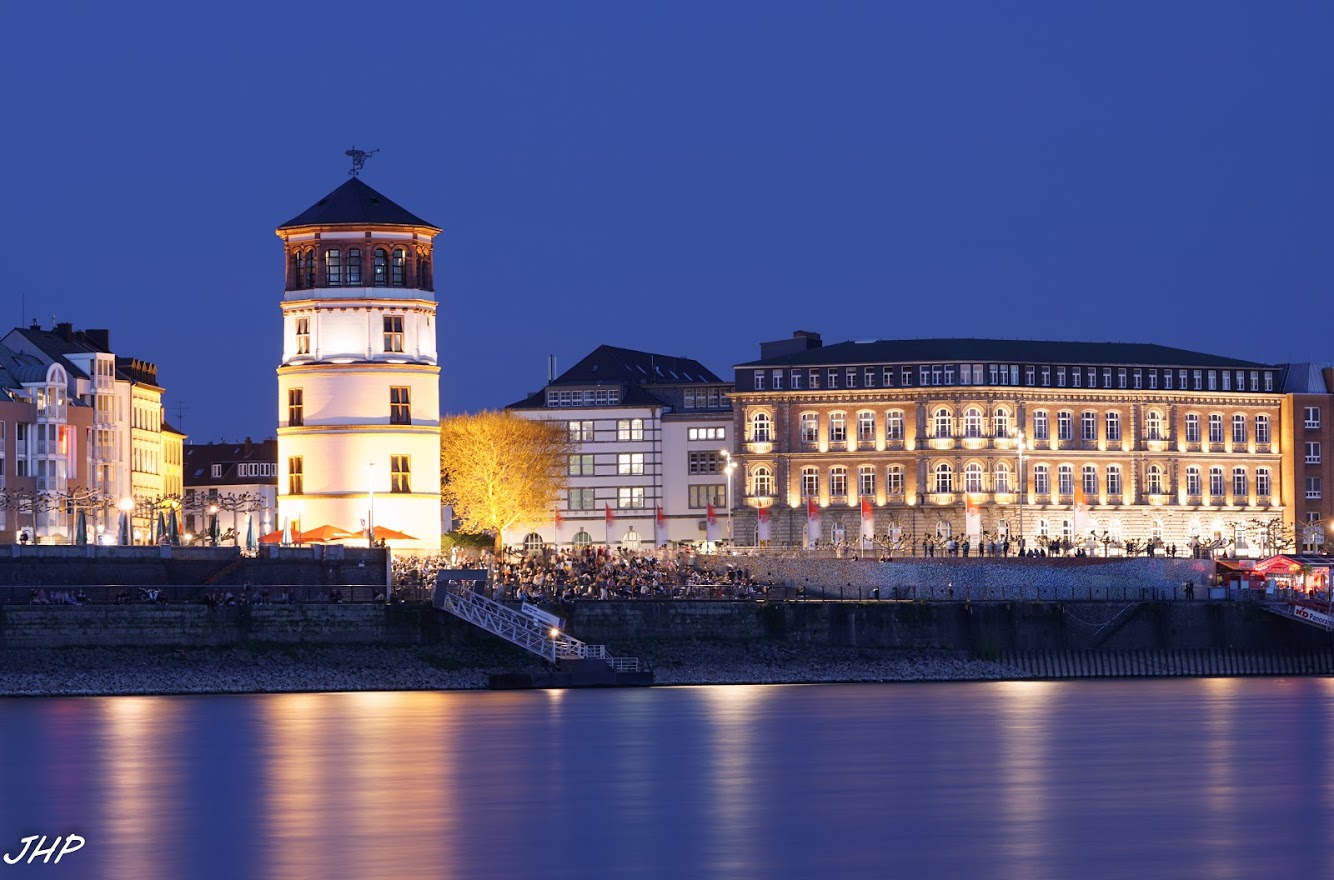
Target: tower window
400, 406
295, 484
400, 473
400, 267
353, 266
308, 270
424, 273
381, 267
296, 407
303, 335
393, 332
333, 268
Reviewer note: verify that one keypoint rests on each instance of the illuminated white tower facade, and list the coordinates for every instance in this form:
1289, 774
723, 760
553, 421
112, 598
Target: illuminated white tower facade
358, 387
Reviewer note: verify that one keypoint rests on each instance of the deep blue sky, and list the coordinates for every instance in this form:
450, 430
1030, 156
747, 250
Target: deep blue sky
687, 178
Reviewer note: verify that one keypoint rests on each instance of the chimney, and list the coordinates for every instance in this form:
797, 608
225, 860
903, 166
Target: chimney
802, 340
99, 339
65, 331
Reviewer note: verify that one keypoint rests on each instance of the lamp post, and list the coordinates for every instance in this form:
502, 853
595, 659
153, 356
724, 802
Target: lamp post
1019, 484
729, 467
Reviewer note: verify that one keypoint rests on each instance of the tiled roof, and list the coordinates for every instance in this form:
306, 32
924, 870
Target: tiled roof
1001, 351
608, 364
356, 204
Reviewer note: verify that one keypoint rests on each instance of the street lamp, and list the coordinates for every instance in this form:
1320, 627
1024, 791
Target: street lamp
1019, 483
729, 467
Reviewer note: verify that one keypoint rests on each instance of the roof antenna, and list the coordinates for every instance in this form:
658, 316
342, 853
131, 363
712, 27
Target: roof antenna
359, 158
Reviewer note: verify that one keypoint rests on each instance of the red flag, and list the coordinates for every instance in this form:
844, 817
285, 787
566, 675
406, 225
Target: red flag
555, 516
812, 512
764, 514
713, 518
609, 516
659, 516
866, 507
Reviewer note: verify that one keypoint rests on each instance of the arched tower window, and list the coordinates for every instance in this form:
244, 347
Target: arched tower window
353, 266
333, 267
400, 267
381, 267
308, 269
294, 281
763, 482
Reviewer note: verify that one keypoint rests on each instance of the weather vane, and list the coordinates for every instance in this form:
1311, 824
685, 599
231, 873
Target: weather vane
359, 158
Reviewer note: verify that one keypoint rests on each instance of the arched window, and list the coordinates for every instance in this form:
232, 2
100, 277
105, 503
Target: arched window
1239, 483
381, 267
972, 422
1090, 480
1003, 479
1113, 423
1065, 479
1262, 486
1193, 485
762, 482
333, 268
630, 540
810, 482
1153, 426
353, 266
423, 273
1192, 427
1215, 481
295, 282
1155, 480
1238, 429
866, 481
400, 267
1262, 429
532, 544
581, 539
761, 428
894, 424
866, 426
944, 478
1041, 480
1215, 427
838, 482
943, 529
1113, 480
894, 480
308, 269
972, 477
838, 427
810, 427
1001, 421
944, 423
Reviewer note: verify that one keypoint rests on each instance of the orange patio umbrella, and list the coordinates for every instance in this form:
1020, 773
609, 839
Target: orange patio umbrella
383, 533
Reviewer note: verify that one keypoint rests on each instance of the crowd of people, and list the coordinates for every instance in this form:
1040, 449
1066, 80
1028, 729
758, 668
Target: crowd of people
596, 573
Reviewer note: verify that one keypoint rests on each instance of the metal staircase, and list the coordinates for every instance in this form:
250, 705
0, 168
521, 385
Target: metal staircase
531, 628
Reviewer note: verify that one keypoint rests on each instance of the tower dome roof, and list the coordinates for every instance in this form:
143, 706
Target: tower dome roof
356, 204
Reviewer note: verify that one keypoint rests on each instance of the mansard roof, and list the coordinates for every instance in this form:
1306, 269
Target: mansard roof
356, 204
1015, 351
608, 364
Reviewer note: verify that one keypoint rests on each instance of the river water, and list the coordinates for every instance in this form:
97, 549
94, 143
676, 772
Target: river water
1210, 778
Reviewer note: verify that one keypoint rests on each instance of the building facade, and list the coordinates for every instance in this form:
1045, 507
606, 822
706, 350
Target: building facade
651, 438
1099, 446
358, 386
237, 483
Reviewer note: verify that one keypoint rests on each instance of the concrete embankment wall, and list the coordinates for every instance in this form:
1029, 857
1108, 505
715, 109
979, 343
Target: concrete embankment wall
983, 629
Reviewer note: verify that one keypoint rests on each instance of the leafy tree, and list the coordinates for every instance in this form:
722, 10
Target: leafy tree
498, 469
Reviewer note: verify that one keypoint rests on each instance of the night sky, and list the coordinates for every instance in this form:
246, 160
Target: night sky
687, 178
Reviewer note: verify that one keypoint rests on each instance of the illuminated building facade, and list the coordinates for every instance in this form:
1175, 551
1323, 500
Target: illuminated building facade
1308, 413
358, 386
648, 432
1094, 444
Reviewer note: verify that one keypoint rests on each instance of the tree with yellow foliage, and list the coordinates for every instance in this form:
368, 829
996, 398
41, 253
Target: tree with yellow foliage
499, 470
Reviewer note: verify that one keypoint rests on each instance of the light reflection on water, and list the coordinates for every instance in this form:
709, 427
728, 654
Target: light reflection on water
1209, 778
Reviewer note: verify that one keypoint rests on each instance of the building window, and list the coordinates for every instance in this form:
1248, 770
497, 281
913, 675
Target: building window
698, 433
353, 266
850, 377
581, 465
778, 380
698, 463
333, 268
1041, 479
1113, 422
215, 471
866, 481
944, 423
810, 482
581, 499
838, 482
894, 424
400, 474
295, 484
400, 405
1262, 429
810, 428
1155, 480
629, 429
761, 428
400, 268
1215, 428
1216, 481
1041, 428
1002, 478
295, 407
1312, 417
1001, 421
1312, 487
1239, 483
1090, 480
630, 463
1113, 479
303, 335
972, 477
381, 278
1088, 425
838, 427
704, 494
759, 380
1312, 452
868, 377
1262, 488
894, 480
1238, 429
630, 497
944, 478
393, 333
582, 431
796, 380
1065, 479
866, 426
1193, 485
1154, 426
1065, 425
763, 482
972, 423
1192, 428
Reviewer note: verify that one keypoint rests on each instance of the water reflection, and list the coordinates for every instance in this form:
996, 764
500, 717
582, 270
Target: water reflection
1024, 727
142, 777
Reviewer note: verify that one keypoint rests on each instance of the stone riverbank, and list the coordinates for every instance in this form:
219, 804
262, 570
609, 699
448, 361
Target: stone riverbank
287, 668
